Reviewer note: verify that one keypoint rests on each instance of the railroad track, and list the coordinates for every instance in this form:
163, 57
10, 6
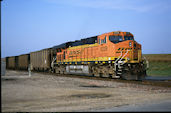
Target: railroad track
160, 83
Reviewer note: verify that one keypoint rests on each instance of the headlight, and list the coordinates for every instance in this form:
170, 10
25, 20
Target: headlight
130, 44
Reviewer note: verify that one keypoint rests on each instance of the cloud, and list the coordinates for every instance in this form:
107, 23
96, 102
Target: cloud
132, 5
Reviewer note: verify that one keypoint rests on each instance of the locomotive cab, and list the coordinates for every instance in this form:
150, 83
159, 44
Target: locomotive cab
125, 46
127, 54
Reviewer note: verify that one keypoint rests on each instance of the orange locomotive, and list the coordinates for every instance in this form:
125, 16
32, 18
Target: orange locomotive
113, 54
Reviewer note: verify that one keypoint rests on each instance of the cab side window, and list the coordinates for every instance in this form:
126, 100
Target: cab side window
99, 40
103, 40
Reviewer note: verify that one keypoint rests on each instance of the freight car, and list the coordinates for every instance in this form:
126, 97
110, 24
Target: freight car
41, 60
20, 62
114, 54
38, 60
11, 62
23, 61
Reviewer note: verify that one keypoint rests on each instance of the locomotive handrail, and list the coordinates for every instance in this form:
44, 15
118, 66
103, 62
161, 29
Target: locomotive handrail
119, 57
117, 60
146, 62
124, 55
53, 62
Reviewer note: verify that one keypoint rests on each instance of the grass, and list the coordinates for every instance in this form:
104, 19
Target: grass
159, 64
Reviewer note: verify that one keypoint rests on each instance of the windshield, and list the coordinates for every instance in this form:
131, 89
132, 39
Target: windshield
115, 39
128, 38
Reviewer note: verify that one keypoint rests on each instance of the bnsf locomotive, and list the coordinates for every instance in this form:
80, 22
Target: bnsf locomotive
114, 54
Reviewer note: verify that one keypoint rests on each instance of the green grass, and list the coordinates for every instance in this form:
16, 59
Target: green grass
159, 68
159, 64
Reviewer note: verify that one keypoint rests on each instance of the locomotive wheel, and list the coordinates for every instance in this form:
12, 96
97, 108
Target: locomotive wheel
57, 71
105, 72
61, 72
65, 72
114, 76
134, 72
96, 72
128, 75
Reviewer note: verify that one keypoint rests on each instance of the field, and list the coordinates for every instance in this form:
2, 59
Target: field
159, 64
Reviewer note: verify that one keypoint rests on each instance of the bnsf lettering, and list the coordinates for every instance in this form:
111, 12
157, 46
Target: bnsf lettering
103, 48
74, 53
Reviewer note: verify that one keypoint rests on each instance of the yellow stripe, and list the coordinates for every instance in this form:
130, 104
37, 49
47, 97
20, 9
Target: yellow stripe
100, 59
90, 59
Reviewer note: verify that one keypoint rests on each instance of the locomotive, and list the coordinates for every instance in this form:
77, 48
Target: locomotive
114, 54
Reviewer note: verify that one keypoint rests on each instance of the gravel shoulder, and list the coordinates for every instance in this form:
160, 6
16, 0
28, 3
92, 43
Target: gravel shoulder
50, 93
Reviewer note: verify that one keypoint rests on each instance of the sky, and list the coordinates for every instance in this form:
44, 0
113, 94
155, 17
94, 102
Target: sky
31, 25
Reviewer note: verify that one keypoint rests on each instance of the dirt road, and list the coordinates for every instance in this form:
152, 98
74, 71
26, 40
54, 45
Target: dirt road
42, 93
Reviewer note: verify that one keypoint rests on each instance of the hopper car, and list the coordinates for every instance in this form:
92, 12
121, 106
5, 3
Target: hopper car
23, 62
20, 62
41, 60
11, 62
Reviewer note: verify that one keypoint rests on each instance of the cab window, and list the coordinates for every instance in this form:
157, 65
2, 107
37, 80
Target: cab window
102, 40
128, 37
105, 40
115, 39
99, 40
